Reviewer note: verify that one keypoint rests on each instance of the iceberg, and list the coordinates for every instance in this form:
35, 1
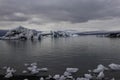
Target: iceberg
57, 34
21, 33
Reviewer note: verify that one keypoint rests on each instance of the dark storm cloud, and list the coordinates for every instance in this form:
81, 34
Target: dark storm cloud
59, 10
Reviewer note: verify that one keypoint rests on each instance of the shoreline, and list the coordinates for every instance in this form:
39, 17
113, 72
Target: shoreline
32, 72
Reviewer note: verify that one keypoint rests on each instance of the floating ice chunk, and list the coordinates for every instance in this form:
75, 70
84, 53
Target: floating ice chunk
88, 76
33, 64
114, 66
82, 79
67, 73
34, 71
100, 68
10, 70
24, 71
5, 67
70, 77
43, 69
74, 35
62, 77
41, 78
113, 79
89, 70
57, 77
26, 79
72, 70
78, 78
13, 70
30, 68
8, 75
100, 75
26, 64
34, 67
48, 77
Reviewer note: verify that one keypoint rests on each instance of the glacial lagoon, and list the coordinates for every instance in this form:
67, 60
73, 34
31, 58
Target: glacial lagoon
83, 52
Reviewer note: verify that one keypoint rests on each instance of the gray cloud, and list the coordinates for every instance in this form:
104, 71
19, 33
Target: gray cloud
75, 11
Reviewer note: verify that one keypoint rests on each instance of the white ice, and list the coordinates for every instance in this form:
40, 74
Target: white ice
8, 75
82, 79
114, 66
24, 71
100, 68
41, 78
100, 75
57, 76
9, 72
72, 70
88, 76
113, 79
26, 79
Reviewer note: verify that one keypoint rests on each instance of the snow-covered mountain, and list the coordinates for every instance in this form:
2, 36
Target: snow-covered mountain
22, 34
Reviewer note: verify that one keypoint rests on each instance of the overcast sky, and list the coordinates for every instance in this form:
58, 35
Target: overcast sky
80, 15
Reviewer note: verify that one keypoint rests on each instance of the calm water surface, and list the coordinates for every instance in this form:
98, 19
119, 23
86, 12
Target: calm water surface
84, 52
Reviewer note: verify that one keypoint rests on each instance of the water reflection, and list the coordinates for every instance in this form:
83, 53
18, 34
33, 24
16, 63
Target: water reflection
57, 54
